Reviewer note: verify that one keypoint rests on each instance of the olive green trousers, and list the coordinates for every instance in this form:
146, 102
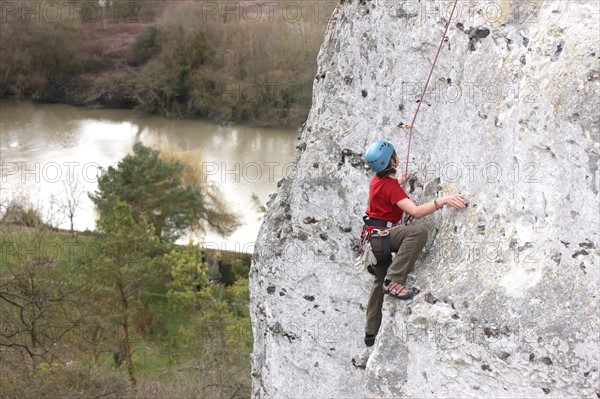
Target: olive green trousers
407, 242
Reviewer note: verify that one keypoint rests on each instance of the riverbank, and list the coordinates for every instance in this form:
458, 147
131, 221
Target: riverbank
237, 65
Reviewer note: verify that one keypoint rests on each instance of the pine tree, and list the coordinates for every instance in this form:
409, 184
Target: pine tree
121, 272
153, 187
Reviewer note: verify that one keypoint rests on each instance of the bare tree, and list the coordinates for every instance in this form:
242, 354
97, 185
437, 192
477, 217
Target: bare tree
68, 205
38, 311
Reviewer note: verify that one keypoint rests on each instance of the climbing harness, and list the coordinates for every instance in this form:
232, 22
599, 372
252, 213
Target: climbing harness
412, 124
380, 229
383, 232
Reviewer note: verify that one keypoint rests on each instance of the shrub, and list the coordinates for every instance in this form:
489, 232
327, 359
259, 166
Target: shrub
20, 212
146, 45
39, 58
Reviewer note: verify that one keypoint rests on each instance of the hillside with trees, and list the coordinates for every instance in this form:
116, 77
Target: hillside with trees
225, 60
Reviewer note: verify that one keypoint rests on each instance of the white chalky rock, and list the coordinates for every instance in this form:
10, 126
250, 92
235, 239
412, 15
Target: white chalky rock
509, 287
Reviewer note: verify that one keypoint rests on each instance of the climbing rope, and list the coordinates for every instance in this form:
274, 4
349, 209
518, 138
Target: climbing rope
412, 124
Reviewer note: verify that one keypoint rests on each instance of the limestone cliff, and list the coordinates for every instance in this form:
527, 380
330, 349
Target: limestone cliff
508, 302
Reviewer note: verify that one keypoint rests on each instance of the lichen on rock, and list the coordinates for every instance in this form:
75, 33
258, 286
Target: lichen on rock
508, 302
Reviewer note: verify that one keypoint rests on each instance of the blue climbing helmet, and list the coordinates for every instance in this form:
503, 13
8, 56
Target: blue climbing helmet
379, 154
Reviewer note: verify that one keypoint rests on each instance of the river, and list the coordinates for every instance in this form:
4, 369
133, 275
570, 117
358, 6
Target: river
43, 146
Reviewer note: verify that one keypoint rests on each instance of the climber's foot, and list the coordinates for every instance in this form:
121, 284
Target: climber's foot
396, 290
369, 339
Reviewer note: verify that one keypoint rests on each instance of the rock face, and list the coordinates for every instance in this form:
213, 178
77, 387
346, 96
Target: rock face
508, 303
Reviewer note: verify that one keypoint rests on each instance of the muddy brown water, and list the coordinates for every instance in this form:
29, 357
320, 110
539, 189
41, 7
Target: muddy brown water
45, 147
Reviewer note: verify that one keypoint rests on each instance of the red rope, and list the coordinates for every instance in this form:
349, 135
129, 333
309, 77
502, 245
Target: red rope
427, 84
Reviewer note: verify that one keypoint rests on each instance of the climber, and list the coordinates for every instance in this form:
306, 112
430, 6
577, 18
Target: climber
387, 204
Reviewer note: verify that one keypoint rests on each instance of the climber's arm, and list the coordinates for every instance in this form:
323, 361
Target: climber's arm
419, 211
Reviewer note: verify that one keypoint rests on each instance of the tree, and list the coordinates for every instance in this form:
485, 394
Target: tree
122, 271
37, 309
188, 274
215, 214
69, 204
154, 188
42, 55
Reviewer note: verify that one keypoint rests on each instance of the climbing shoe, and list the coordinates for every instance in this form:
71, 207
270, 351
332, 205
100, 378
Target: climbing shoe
369, 339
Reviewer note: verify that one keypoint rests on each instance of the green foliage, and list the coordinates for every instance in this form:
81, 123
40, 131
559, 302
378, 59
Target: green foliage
215, 213
54, 379
146, 45
257, 204
199, 339
181, 88
241, 268
127, 242
188, 274
118, 276
227, 274
154, 190
233, 271
163, 85
222, 324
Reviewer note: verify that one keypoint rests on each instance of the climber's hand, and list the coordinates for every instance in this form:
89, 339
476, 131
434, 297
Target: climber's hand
455, 201
404, 178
